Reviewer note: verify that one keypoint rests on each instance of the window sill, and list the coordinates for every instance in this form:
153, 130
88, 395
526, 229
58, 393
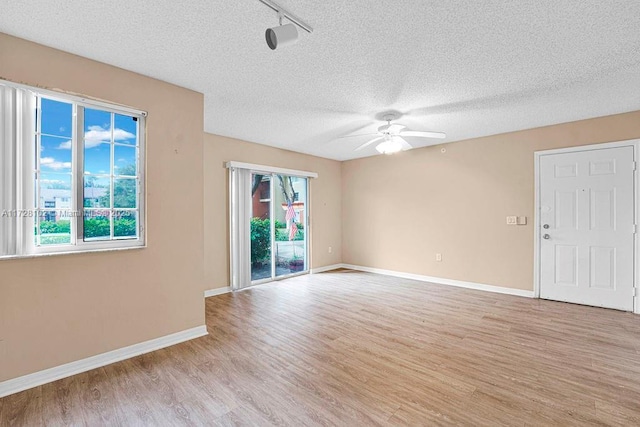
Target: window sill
77, 252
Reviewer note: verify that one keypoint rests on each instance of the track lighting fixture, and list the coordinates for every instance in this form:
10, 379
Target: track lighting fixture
287, 34
282, 35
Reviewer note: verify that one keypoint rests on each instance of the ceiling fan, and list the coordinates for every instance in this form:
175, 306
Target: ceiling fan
390, 136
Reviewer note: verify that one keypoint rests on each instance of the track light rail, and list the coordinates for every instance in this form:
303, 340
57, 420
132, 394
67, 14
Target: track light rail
290, 16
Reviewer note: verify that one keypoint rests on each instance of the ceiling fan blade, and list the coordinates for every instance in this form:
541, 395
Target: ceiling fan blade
395, 129
368, 143
419, 134
353, 136
405, 145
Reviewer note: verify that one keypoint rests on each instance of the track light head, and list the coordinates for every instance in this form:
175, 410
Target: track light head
282, 35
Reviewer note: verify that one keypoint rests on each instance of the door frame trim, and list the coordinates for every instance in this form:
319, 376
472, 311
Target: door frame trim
272, 210
635, 143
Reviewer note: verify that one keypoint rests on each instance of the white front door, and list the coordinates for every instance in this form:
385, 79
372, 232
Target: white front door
587, 227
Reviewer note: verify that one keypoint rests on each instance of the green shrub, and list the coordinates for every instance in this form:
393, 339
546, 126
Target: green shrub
55, 227
260, 240
124, 227
96, 227
93, 227
299, 235
282, 234
100, 227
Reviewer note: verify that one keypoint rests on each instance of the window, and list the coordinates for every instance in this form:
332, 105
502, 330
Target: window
72, 173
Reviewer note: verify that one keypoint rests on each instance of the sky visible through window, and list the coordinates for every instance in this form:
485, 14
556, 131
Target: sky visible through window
55, 149
110, 205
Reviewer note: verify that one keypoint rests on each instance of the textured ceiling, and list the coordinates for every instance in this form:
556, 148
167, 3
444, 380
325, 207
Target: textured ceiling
468, 68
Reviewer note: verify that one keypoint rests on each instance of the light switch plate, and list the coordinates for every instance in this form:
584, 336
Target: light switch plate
512, 220
522, 220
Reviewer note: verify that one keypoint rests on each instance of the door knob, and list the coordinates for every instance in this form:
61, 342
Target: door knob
546, 236
546, 226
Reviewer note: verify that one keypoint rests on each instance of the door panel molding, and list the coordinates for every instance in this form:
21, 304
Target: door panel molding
601, 168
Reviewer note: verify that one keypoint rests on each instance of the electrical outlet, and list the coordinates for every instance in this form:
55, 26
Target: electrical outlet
330, 250
438, 257
512, 220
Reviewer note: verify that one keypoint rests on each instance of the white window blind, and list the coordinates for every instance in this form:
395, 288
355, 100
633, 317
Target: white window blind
240, 232
7, 171
16, 119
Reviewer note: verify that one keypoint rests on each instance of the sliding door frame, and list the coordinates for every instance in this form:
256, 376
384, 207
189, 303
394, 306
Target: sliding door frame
272, 222
236, 246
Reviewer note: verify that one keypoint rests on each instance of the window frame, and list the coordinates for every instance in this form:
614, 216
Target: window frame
26, 143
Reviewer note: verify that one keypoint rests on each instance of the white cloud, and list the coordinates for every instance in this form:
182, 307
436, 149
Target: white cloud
90, 143
97, 134
51, 163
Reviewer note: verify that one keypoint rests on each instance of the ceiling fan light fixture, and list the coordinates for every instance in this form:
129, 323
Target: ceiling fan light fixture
390, 137
389, 146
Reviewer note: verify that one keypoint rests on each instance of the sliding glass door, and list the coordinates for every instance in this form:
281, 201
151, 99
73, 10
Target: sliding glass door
278, 226
261, 241
290, 246
268, 223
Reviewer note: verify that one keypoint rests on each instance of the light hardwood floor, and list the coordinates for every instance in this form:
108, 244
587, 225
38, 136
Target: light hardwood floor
350, 348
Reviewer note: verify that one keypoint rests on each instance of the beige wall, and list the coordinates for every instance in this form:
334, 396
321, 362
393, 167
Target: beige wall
58, 309
326, 227
399, 211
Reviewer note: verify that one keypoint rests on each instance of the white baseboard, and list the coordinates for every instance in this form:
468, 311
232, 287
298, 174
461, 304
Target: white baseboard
56, 373
442, 281
217, 291
325, 268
